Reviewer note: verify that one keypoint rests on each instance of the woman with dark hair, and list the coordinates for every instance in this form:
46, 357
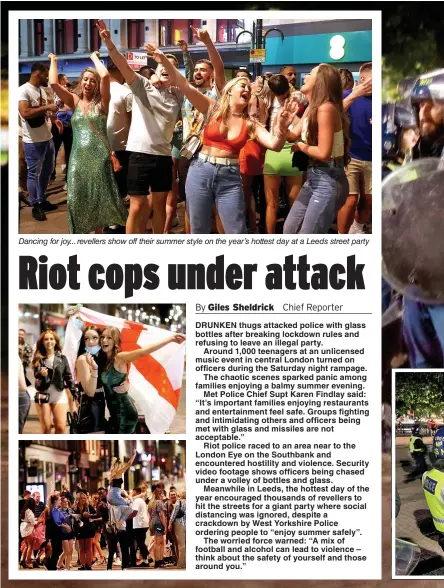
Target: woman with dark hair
27, 525
52, 378
325, 139
347, 79
84, 532
92, 401
158, 525
123, 412
94, 201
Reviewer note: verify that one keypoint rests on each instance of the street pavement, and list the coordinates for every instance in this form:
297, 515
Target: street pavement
414, 522
178, 426
57, 221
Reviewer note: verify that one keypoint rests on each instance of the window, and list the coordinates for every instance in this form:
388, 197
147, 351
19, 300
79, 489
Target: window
172, 31
66, 36
94, 37
227, 30
136, 33
38, 37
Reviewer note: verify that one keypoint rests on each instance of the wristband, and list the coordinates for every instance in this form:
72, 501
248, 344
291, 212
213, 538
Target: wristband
112, 48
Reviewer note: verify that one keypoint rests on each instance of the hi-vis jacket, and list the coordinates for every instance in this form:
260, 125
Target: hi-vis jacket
412, 447
433, 486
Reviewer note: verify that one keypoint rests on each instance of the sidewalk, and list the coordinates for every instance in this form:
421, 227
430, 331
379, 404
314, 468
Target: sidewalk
57, 221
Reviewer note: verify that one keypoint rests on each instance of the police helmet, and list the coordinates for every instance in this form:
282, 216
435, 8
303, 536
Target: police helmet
429, 86
396, 117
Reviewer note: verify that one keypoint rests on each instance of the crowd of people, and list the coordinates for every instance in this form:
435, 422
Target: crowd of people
241, 153
113, 527
100, 380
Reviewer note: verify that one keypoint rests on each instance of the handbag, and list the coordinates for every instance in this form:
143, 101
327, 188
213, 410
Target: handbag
41, 397
194, 141
39, 120
114, 161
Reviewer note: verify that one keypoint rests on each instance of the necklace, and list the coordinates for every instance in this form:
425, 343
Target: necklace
237, 113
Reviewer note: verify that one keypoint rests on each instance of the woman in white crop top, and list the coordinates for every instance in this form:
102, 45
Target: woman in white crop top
324, 138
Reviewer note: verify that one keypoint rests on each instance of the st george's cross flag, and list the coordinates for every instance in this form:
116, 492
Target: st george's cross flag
154, 380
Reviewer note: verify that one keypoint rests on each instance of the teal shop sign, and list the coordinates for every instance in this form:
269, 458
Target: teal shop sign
325, 48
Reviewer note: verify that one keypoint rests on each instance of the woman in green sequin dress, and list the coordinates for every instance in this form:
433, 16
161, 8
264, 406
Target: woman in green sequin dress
94, 201
121, 407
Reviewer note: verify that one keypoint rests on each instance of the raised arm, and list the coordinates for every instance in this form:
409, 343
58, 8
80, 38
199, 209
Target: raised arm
276, 141
64, 94
198, 100
129, 356
118, 472
213, 54
104, 80
187, 61
116, 56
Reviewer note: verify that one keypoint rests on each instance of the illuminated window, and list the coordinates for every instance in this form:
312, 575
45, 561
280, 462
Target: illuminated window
174, 30
227, 30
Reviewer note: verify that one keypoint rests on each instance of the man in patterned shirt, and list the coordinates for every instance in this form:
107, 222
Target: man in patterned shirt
24, 349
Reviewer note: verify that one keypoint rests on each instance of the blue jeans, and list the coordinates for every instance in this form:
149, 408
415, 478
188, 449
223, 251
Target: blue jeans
322, 195
40, 162
423, 331
209, 183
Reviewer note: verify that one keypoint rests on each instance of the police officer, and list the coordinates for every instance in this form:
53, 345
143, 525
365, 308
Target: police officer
433, 486
397, 120
438, 443
423, 324
418, 451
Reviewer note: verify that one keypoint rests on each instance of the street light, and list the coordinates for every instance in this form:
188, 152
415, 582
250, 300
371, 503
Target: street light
258, 38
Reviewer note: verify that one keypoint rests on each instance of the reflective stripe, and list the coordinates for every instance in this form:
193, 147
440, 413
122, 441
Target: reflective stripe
441, 521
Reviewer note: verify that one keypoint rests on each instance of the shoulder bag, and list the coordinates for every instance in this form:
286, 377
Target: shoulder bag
39, 120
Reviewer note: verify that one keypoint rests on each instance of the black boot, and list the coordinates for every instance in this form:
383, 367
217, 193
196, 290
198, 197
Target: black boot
38, 213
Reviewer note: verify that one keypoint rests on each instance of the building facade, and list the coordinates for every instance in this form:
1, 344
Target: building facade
305, 43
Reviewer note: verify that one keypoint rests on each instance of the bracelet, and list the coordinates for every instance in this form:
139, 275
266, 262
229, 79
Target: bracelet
112, 48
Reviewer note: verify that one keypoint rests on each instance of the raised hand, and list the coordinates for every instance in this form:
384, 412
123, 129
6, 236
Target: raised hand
154, 52
178, 338
202, 34
287, 113
183, 45
90, 361
52, 57
104, 33
364, 89
94, 54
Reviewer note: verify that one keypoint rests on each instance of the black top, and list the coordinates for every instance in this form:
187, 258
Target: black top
87, 531
59, 374
117, 482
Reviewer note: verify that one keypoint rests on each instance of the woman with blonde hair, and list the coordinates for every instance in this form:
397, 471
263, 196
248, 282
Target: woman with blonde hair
214, 173
85, 531
94, 201
157, 525
325, 139
52, 378
122, 410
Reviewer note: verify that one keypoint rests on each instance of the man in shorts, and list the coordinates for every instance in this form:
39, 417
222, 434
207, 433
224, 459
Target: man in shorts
154, 115
357, 209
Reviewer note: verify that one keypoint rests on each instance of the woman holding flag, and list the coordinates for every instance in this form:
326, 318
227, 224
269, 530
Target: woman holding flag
123, 412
